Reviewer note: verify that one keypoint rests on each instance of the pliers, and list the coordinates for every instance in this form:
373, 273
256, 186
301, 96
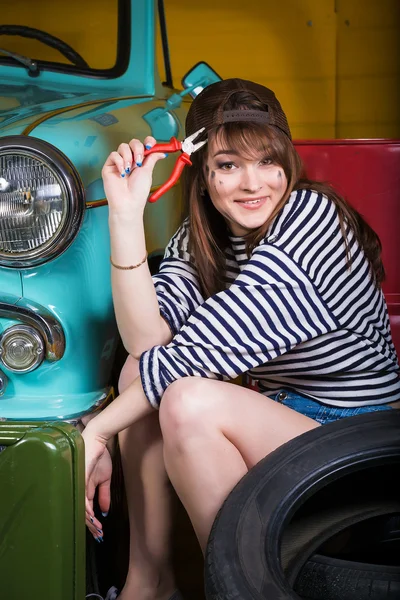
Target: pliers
187, 148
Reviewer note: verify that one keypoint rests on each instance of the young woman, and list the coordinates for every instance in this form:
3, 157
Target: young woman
270, 274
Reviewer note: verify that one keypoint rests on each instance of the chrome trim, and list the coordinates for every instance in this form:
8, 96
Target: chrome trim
104, 201
3, 385
59, 111
38, 317
74, 189
27, 329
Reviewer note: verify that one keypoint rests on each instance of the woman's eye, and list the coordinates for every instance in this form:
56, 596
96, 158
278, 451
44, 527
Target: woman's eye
227, 166
267, 161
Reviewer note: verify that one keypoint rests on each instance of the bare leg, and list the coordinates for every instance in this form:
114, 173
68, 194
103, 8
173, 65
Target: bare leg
214, 432
149, 498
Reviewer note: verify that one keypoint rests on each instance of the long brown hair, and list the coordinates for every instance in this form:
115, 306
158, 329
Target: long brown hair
209, 234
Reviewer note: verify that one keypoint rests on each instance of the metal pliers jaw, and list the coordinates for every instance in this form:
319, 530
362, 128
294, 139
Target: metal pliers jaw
187, 147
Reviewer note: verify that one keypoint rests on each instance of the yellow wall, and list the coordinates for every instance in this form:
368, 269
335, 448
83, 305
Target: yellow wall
368, 68
269, 42
334, 65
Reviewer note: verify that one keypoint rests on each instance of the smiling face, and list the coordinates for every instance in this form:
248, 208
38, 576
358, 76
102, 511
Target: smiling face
244, 189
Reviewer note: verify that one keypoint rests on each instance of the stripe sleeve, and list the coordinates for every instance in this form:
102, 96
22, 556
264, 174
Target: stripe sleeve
270, 309
176, 284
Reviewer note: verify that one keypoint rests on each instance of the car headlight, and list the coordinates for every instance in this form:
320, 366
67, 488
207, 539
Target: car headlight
21, 348
41, 202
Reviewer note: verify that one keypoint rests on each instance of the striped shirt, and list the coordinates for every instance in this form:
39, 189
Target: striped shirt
293, 315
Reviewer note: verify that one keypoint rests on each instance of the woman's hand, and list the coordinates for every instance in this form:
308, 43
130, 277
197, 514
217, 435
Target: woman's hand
100, 479
127, 176
98, 468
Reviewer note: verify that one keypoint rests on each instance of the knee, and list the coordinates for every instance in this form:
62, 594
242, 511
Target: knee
183, 407
129, 372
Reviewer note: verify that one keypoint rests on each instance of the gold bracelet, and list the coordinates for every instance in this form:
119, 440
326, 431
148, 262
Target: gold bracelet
130, 267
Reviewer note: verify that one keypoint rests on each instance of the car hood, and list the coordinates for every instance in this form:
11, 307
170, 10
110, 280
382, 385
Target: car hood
22, 104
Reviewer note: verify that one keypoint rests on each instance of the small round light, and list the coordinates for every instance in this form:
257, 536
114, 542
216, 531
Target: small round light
21, 348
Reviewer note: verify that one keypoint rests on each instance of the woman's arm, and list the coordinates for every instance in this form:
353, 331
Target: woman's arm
135, 300
271, 308
126, 409
127, 187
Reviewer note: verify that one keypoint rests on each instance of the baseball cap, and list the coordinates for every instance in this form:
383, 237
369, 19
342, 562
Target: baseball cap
207, 109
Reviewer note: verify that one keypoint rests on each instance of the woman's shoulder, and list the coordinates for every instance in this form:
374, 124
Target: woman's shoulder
178, 246
307, 214
307, 200
305, 210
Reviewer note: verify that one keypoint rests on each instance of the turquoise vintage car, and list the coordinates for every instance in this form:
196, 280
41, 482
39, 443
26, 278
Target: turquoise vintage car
58, 123
59, 120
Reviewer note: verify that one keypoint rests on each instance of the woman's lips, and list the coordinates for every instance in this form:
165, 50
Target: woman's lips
252, 203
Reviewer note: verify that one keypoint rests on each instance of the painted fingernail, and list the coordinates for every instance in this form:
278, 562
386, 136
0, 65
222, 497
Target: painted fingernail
128, 169
100, 539
148, 146
105, 514
165, 155
139, 159
99, 530
91, 520
122, 174
138, 164
97, 540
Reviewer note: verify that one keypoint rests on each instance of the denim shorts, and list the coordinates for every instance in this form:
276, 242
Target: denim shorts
322, 413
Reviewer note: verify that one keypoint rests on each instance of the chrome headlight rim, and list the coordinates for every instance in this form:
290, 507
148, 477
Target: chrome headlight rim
33, 333
67, 173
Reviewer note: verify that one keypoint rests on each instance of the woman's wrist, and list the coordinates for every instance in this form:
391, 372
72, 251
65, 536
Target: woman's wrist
120, 218
95, 430
127, 240
126, 231
83, 424
127, 408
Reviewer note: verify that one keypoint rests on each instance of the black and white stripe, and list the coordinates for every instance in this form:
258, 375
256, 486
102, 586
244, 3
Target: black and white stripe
293, 314
176, 283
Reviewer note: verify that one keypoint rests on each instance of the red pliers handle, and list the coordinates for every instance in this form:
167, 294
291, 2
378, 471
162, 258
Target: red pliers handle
173, 145
186, 148
176, 173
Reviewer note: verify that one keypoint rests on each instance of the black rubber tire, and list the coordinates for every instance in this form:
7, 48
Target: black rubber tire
325, 578
246, 556
366, 565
